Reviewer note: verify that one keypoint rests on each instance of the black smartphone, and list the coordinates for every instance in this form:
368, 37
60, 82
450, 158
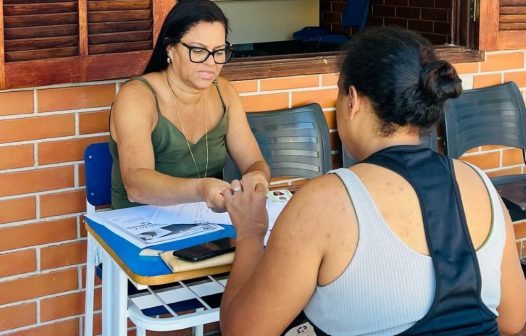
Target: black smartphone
203, 251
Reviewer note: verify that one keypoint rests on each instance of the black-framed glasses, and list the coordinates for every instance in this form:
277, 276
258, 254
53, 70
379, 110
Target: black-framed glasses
200, 54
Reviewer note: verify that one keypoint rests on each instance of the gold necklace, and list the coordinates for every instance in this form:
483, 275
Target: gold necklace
184, 132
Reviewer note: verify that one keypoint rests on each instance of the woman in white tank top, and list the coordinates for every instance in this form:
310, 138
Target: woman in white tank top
350, 248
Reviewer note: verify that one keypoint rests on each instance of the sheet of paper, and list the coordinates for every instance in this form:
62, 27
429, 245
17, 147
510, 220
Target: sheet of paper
197, 212
136, 226
150, 225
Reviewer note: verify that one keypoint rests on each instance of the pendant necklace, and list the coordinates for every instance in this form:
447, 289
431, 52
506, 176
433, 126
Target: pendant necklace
184, 132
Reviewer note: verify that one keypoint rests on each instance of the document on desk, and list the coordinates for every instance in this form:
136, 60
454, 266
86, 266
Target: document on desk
150, 225
136, 226
200, 213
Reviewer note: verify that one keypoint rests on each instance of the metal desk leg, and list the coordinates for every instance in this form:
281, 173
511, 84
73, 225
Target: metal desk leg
120, 301
198, 330
107, 290
90, 286
114, 298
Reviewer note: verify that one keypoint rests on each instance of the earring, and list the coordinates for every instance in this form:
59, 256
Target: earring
168, 60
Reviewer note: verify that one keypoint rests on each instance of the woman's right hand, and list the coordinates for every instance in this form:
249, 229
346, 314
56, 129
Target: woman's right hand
212, 191
246, 206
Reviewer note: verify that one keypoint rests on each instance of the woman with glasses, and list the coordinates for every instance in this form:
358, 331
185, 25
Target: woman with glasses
172, 127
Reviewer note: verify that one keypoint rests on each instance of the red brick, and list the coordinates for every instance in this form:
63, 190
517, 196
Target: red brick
94, 122
396, 2
18, 316
434, 14
17, 263
36, 180
329, 79
65, 150
325, 97
506, 61
38, 285
465, 68
408, 12
63, 255
486, 80
66, 305
63, 328
421, 26
421, 3
246, 86
289, 82
396, 22
62, 203
75, 97
443, 4
512, 156
18, 209
16, 156
37, 234
484, 161
36, 128
379, 10
18, 102
518, 77
265, 102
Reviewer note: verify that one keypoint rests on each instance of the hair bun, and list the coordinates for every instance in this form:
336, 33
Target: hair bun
439, 81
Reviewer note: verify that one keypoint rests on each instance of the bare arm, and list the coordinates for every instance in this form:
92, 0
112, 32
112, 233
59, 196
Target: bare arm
241, 143
512, 307
133, 118
275, 283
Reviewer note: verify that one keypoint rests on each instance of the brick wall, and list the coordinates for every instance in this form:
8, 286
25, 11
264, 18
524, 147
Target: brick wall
43, 132
432, 18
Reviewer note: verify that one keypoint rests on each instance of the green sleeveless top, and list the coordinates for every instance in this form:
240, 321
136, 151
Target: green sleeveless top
172, 156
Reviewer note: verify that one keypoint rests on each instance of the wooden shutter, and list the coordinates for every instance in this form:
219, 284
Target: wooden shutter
502, 24
58, 41
40, 29
119, 26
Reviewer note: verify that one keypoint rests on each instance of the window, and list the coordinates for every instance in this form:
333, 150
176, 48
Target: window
58, 41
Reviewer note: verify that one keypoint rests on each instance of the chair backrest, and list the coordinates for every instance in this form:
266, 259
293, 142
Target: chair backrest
355, 14
493, 115
97, 167
429, 140
294, 142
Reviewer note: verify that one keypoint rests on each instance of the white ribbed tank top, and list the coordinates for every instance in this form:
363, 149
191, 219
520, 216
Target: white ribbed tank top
387, 287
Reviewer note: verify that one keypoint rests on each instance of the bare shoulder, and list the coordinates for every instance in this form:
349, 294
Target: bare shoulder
134, 109
227, 89
134, 97
134, 91
320, 201
469, 180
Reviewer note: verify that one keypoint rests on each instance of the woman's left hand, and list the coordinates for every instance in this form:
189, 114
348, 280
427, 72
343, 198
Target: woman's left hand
246, 206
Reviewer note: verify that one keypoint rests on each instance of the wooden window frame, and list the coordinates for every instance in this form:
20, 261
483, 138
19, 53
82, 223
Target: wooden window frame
85, 67
490, 36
